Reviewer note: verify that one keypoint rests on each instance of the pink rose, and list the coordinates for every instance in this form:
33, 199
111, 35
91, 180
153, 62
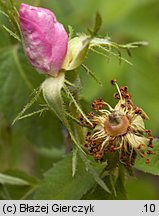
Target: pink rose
45, 39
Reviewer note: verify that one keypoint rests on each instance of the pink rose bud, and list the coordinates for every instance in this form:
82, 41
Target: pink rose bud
45, 39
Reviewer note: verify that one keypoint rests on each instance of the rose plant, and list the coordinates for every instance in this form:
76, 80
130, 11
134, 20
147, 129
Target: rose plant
103, 145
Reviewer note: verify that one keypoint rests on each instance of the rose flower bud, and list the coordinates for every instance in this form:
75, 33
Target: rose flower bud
44, 38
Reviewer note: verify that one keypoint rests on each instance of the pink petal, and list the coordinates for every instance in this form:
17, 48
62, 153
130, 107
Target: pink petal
45, 39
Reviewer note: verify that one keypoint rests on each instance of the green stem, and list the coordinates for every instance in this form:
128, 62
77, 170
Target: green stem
120, 183
121, 173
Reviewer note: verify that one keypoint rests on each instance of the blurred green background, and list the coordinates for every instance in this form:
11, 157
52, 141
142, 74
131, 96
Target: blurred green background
34, 144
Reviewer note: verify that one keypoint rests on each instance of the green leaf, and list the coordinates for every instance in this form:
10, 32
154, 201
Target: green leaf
120, 184
22, 175
97, 193
153, 166
92, 74
4, 39
4, 194
97, 24
141, 188
94, 173
42, 131
53, 153
3, 13
76, 104
71, 32
141, 23
18, 80
12, 33
58, 182
15, 81
19, 191
12, 14
6, 179
40, 112
27, 106
106, 52
115, 183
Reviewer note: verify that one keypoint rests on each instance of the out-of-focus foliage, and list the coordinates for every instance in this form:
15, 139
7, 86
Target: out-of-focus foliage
34, 144
153, 165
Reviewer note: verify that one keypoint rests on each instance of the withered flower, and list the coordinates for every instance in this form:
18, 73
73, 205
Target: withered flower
120, 129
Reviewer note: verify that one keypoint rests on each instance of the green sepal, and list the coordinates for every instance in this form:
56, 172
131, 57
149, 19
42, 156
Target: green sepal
13, 34
97, 24
51, 89
94, 173
76, 53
